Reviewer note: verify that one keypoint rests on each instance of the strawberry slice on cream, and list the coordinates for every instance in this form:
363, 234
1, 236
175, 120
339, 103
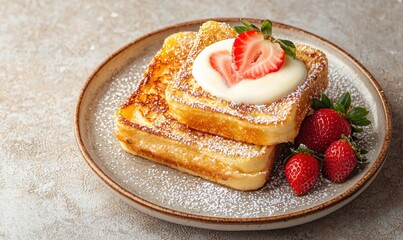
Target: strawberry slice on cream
253, 56
253, 68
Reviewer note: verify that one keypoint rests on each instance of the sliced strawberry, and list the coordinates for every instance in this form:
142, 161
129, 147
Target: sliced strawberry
253, 56
221, 62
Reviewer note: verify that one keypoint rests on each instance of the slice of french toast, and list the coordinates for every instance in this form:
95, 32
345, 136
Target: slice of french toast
266, 124
145, 127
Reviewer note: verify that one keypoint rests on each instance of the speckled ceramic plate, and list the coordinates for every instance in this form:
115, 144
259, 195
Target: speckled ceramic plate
177, 197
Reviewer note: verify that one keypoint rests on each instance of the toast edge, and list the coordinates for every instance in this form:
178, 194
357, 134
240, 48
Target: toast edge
232, 127
170, 153
220, 174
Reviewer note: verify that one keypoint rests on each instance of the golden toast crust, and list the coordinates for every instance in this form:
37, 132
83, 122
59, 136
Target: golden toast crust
145, 127
267, 124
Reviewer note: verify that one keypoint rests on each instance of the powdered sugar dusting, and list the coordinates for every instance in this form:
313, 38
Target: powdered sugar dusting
186, 91
182, 192
151, 109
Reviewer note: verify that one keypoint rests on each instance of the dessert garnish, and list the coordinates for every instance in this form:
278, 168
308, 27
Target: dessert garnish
255, 53
327, 136
341, 158
302, 170
331, 120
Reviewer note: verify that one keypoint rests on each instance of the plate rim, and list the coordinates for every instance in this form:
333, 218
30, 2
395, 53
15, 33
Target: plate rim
131, 197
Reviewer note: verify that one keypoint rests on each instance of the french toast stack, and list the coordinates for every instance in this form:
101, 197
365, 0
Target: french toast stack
171, 120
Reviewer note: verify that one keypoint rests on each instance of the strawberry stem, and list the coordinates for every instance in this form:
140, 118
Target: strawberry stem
358, 152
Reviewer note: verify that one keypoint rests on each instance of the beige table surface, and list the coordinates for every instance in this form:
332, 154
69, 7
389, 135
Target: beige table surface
49, 48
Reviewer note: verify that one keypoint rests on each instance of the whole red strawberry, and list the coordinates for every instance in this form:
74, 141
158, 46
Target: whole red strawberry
323, 127
330, 121
340, 160
302, 171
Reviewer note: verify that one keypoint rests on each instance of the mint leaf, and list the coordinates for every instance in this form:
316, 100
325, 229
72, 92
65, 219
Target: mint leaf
266, 28
345, 100
240, 29
287, 46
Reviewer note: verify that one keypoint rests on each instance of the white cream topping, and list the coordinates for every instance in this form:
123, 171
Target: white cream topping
266, 89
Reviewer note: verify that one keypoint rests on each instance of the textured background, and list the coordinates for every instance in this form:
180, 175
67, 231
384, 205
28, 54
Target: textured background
49, 48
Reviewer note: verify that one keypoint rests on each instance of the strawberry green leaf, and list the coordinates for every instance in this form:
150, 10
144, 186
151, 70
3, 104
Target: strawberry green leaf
363, 151
249, 25
360, 155
323, 102
240, 29
361, 122
357, 112
317, 104
339, 107
287, 46
361, 158
357, 129
345, 100
361, 163
358, 117
246, 22
328, 103
304, 149
358, 152
266, 28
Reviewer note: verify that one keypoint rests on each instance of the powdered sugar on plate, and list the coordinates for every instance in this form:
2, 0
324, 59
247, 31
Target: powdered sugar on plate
182, 192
